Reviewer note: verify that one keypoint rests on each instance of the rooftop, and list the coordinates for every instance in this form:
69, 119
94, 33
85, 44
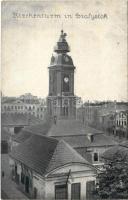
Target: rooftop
44, 154
78, 141
18, 119
75, 139
70, 127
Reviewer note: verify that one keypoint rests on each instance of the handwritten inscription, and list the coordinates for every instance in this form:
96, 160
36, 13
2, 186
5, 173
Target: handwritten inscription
90, 16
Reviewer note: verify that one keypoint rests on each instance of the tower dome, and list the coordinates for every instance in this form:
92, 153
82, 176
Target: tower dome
61, 59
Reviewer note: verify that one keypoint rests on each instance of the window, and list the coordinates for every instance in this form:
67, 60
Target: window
125, 123
22, 178
75, 191
90, 186
61, 192
95, 157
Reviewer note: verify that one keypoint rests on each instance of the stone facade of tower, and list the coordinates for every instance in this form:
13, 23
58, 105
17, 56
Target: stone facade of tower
61, 99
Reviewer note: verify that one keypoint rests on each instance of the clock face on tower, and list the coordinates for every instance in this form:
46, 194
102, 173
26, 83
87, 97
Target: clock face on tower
66, 83
66, 79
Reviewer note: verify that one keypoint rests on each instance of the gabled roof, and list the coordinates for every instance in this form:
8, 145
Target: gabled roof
17, 119
70, 127
43, 154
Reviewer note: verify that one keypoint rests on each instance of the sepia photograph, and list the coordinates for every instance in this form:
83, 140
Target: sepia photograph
64, 99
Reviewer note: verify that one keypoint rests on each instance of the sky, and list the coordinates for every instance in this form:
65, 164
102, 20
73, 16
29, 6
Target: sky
96, 32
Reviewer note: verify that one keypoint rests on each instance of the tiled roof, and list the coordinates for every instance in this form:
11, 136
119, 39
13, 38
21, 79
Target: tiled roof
4, 134
70, 127
41, 128
102, 140
37, 129
83, 141
22, 136
64, 154
75, 140
18, 119
43, 154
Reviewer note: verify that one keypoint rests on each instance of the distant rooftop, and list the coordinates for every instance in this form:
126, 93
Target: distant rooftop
17, 119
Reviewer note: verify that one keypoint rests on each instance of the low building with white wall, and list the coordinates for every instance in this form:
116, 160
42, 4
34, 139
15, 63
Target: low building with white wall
46, 168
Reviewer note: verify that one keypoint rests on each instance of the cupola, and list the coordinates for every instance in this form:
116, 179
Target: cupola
62, 45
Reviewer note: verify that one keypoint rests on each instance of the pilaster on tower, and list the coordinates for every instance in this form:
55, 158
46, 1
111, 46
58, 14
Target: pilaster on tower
61, 99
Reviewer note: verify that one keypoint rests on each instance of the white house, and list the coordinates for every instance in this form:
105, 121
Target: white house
46, 168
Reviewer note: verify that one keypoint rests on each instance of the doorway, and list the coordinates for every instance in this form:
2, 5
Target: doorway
27, 184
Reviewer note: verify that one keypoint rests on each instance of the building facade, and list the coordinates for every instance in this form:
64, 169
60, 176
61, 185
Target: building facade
122, 124
25, 104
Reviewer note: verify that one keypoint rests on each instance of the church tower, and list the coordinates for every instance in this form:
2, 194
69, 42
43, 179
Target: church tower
61, 99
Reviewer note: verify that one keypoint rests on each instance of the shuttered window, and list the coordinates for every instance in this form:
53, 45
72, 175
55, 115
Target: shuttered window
75, 191
61, 192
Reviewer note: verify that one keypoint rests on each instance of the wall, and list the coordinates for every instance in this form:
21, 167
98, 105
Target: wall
79, 174
39, 184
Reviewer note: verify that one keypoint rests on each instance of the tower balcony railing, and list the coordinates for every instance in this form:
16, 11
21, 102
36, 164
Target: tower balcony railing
61, 48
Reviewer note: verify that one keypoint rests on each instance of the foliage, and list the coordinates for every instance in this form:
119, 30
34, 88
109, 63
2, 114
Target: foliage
113, 180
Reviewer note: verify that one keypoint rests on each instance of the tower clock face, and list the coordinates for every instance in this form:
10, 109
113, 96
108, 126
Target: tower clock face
66, 79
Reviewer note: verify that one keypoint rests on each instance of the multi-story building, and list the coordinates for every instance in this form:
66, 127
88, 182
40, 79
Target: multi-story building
104, 116
122, 123
25, 104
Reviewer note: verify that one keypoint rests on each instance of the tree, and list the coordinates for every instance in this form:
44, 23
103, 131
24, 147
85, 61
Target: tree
113, 180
